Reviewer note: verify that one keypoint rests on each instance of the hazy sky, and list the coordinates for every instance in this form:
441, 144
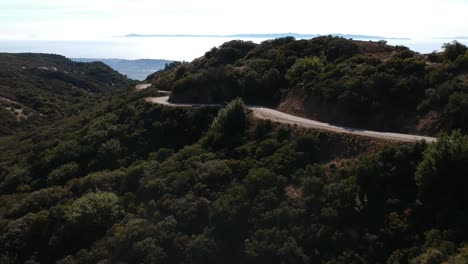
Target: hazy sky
101, 18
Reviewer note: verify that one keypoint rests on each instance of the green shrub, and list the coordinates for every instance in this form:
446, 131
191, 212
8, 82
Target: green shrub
283, 133
229, 126
263, 129
453, 50
63, 174
98, 209
266, 148
304, 69
441, 176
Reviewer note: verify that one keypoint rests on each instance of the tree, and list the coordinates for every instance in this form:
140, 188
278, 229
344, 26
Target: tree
63, 173
260, 178
453, 50
229, 126
442, 176
83, 221
263, 129
274, 246
203, 249
96, 209
305, 68
456, 111
310, 146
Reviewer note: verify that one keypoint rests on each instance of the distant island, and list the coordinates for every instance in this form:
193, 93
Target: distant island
453, 38
268, 36
450, 38
134, 69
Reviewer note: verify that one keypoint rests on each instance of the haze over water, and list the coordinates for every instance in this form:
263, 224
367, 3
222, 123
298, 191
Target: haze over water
171, 48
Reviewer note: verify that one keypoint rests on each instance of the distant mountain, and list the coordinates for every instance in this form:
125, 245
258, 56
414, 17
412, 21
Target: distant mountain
366, 37
169, 35
268, 36
134, 69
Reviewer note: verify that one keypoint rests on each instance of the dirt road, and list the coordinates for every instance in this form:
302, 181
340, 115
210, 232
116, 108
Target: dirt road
280, 117
143, 86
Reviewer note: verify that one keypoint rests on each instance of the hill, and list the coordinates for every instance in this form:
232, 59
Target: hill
353, 83
127, 181
132, 182
134, 69
38, 89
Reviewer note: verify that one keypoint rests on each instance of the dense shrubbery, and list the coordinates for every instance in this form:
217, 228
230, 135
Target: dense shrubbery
130, 182
355, 83
259, 193
117, 134
442, 175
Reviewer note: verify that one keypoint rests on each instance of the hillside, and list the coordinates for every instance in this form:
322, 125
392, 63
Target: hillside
131, 182
134, 69
128, 181
37, 89
360, 84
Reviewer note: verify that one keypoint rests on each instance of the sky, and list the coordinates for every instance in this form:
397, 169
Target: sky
88, 19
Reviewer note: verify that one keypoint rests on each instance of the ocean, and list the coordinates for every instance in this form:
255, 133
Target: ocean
170, 48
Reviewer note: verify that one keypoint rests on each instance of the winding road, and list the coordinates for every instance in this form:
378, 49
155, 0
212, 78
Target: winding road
142, 86
280, 117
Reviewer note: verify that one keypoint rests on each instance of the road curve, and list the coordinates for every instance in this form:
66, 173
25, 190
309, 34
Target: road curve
142, 86
280, 117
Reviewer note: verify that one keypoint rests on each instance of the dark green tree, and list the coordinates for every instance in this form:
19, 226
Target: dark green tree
453, 50
442, 176
229, 127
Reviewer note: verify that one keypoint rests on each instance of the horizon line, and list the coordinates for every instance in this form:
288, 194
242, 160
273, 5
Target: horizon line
263, 35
